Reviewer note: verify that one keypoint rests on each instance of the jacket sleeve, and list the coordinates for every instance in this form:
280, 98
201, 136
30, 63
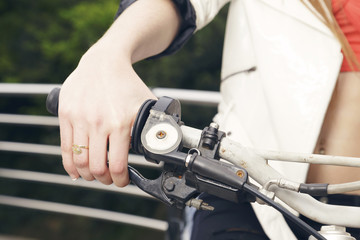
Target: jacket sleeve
195, 15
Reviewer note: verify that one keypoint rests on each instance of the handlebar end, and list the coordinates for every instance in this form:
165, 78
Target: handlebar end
52, 101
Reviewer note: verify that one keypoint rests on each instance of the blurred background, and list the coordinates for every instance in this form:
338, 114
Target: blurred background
41, 42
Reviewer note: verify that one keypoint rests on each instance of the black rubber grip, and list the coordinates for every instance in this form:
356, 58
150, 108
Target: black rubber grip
138, 126
52, 101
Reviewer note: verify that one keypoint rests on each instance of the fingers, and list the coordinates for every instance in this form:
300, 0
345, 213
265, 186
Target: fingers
98, 158
80, 150
119, 143
86, 155
66, 148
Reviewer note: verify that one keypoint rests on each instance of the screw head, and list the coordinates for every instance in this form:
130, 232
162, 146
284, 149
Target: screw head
240, 173
161, 134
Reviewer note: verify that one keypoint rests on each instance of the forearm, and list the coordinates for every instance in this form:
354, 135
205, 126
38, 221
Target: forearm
144, 29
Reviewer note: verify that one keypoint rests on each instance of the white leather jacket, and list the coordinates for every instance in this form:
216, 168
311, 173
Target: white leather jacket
280, 66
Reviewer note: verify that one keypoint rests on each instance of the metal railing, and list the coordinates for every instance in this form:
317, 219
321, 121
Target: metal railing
207, 98
210, 98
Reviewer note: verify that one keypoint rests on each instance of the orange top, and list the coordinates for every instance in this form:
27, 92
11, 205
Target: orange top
347, 15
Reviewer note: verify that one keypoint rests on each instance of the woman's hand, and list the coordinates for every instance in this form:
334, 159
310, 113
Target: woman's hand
100, 99
97, 107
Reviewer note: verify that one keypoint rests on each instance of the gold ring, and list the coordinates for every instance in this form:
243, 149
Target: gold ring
77, 148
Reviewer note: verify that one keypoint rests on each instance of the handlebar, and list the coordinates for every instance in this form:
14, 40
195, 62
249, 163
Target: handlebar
222, 179
256, 166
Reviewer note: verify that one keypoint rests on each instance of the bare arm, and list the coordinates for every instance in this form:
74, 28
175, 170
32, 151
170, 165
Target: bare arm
100, 98
144, 29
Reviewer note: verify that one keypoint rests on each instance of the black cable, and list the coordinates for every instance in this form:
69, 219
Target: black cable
304, 226
314, 189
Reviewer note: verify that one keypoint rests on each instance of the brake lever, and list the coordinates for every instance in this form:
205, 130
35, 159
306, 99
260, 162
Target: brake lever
152, 187
169, 187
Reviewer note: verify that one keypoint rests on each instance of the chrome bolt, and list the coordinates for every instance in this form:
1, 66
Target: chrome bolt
214, 125
199, 204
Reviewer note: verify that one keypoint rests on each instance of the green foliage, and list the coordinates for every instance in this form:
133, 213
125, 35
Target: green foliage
44, 40
67, 48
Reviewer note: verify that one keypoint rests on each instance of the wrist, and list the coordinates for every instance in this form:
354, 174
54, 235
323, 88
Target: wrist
106, 55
